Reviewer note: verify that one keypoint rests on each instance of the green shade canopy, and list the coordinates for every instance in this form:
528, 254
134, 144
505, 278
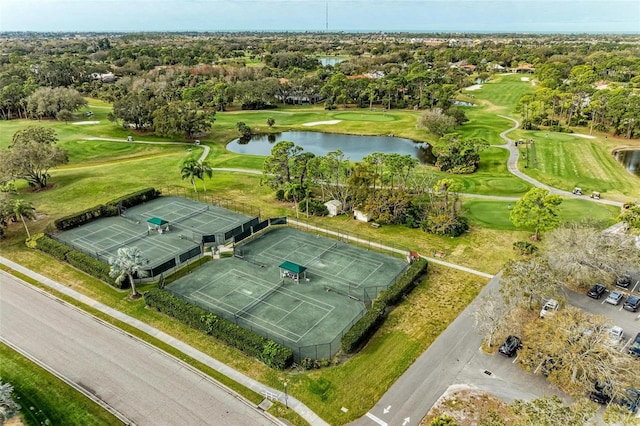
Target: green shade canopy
157, 221
293, 267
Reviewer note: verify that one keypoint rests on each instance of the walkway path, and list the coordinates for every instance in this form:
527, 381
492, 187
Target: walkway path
235, 375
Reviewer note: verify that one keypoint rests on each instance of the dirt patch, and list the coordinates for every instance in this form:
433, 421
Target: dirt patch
82, 123
468, 406
474, 87
319, 123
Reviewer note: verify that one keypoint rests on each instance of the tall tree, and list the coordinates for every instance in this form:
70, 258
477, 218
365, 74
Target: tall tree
32, 153
8, 406
22, 209
190, 169
204, 171
277, 170
127, 263
180, 118
537, 208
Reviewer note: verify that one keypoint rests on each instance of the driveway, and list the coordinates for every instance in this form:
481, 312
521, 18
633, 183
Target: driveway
139, 383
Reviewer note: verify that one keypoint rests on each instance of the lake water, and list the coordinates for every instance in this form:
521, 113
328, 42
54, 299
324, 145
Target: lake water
630, 159
355, 148
330, 61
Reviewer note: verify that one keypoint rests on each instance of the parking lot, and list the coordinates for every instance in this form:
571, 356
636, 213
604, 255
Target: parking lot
629, 321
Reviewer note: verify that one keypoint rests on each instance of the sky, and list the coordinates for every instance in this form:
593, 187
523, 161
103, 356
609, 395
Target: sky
483, 16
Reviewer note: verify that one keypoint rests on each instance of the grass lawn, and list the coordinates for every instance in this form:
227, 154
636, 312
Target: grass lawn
566, 161
495, 214
501, 93
44, 398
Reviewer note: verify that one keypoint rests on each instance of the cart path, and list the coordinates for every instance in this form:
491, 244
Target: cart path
512, 166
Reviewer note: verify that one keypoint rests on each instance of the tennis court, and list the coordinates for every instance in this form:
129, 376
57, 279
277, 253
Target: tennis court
308, 315
189, 226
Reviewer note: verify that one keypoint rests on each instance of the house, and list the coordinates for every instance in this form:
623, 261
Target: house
360, 215
334, 207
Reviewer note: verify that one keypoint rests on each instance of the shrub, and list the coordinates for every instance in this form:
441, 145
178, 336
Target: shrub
78, 260
316, 207
366, 326
112, 208
271, 353
525, 247
443, 224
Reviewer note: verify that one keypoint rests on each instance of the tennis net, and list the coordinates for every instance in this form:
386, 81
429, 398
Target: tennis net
122, 244
244, 311
192, 214
322, 253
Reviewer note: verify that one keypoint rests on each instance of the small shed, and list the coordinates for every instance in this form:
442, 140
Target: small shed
334, 207
360, 215
293, 271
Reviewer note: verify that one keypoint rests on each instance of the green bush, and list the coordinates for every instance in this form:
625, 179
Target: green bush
79, 260
112, 208
271, 353
366, 326
525, 247
316, 207
405, 284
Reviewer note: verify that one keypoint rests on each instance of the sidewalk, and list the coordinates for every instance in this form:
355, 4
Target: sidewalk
246, 381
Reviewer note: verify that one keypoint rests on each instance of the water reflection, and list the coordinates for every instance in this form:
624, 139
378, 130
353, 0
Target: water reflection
355, 148
630, 159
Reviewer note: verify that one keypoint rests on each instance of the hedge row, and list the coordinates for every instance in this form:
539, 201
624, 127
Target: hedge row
79, 260
271, 353
366, 326
106, 210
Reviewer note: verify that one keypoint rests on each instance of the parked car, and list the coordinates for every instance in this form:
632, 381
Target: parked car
510, 346
631, 399
599, 397
634, 349
616, 334
632, 303
596, 291
549, 308
623, 281
615, 297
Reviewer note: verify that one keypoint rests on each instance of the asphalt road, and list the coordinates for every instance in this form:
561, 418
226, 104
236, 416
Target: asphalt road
454, 359
141, 383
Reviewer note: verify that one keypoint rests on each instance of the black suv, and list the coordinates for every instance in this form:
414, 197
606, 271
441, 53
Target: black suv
634, 349
596, 291
632, 303
510, 346
623, 280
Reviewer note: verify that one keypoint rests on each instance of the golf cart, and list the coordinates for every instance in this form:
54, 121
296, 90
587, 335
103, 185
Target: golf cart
595, 195
577, 191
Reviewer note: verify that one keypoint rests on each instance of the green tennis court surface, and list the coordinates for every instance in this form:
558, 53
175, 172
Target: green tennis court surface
190, 224
309, 315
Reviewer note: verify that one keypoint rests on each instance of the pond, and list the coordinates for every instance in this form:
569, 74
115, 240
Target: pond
355, 148
330, 61
629, 158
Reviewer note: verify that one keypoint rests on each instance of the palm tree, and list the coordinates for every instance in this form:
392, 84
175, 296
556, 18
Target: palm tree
129, 261
204, 170
191, 170
22, 209
8, 407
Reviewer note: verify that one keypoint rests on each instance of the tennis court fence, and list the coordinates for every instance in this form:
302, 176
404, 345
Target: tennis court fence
320, 351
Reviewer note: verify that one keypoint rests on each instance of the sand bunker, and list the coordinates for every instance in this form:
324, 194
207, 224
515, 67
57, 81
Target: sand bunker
580, 135
474, 87
81, 123
524, 78
318, 123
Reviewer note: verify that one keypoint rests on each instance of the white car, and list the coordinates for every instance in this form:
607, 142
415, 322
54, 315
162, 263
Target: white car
615, 297
549, 308
616, 334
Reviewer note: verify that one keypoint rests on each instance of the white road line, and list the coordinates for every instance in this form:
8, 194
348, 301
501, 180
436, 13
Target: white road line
375, 419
